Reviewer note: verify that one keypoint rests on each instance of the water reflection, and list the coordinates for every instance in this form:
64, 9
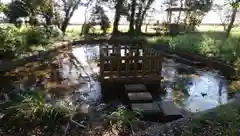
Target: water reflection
80, 66
193, 90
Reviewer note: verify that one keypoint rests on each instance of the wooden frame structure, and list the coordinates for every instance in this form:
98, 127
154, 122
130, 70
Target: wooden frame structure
129, 62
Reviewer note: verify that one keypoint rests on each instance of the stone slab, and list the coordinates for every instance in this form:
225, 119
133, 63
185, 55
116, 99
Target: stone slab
169, 108
146, 107
140, 96
136, 88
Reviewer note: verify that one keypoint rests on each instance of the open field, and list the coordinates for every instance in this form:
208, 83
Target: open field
124, 28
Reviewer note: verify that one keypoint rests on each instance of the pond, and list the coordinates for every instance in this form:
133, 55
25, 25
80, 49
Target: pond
190, 88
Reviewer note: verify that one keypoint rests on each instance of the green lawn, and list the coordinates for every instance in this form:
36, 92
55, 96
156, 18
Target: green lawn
124, 28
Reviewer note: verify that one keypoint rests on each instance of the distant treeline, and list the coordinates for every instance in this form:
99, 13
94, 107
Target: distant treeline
207, 24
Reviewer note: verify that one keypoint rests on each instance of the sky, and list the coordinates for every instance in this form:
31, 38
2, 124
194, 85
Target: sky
78, 17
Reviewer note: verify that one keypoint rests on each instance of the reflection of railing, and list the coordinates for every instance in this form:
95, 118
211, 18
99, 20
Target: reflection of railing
123, 62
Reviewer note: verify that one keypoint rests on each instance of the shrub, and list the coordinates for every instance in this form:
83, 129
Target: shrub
186, 42
33, 107
36, 35
225, 49
9, 38
123, 116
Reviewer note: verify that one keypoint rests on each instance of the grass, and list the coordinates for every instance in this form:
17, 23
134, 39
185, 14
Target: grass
124, 28
222, 121
211, 44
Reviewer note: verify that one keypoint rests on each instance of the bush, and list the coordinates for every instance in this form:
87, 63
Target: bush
225, 49
16, 42
34, 108
36, 35
186, 42
10, 40
10, 37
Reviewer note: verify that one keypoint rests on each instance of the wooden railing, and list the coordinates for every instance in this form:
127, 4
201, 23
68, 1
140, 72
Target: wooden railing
127, 62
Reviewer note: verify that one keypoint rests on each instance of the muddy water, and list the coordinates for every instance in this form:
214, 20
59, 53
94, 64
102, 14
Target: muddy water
191, 89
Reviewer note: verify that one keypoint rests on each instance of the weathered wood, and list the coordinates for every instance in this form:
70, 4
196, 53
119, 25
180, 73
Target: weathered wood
140, 96
135, 88
146, 107
169, 108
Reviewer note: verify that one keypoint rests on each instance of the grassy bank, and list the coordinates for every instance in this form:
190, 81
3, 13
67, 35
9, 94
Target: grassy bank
222, 121
211, 44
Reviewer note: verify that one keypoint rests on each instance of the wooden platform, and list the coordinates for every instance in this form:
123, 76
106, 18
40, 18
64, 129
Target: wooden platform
129, 62
135, 88
140, 96
146, 107
169, 108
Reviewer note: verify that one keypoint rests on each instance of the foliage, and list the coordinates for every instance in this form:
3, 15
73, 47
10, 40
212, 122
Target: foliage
33, 107
226, 49
237, 66
197, 10
22, 40
64, 11
224, 121
10, 39
36, 35
99, 17
124, 116
15, 10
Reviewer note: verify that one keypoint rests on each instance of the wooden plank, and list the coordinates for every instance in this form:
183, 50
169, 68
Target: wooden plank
140, 96
169, 108
134, 57
129, 78
146, 107
135, 88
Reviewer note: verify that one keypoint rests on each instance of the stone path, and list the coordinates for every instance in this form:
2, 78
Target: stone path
142, 101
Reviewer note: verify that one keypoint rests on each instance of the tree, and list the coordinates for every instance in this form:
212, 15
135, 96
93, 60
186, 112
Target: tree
2, 7
47, 11
170, 4
196, 12
25, 8
118, 9
227, 13
98, 17
15, 10
64, 12
132, 16
143, 7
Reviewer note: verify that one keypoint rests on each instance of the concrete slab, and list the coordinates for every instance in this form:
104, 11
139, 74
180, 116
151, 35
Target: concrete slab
140, 96
135, 88
169, 108
146, 107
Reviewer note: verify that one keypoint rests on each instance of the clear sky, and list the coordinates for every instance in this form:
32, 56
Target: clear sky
78, 16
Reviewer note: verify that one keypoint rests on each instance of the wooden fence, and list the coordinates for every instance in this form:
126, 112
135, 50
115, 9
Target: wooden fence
121, 62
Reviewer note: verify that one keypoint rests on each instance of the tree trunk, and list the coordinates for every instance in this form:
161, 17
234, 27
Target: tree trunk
64, 25
133, 8
179, 15
48, 20
117, 16
138, 23
233, 17
143, 14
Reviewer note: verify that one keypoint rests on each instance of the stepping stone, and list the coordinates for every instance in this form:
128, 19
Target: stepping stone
135, 88
140, 96
146, 107
169, 108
